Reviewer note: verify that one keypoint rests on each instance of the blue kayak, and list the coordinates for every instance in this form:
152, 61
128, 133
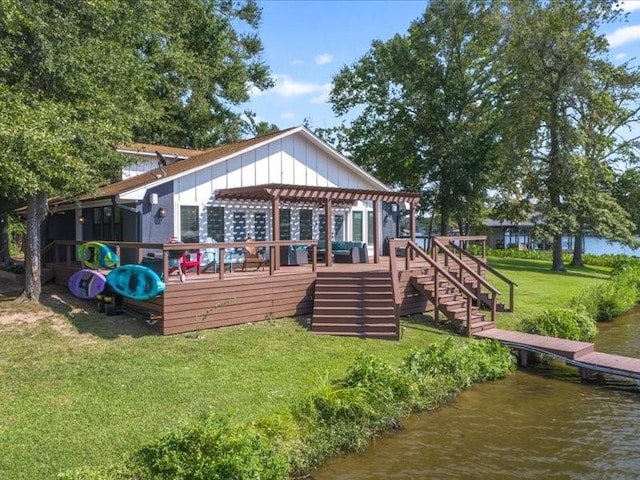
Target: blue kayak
135, 281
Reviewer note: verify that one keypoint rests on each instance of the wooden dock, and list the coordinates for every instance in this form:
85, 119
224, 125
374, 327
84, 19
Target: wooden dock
579, 354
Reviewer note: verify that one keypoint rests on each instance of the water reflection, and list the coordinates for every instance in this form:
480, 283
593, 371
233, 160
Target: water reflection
542, 424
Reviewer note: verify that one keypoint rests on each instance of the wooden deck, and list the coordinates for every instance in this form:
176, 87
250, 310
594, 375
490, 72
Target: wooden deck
578, 354
205, 301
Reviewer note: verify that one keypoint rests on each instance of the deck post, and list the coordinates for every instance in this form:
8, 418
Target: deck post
377, 232
436, 295
275, 226
412, 224
469, 334
328, 234
511, 305
523, 356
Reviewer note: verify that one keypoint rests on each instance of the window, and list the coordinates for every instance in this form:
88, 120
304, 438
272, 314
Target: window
285, 224
189, 224
239, 227
306, 225
356, 217
215, 223
322, 226
370, 230
260, 225
101, 227
338, 226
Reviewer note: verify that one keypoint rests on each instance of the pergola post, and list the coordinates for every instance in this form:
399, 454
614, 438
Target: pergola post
377, 231
412, 224
328, 257
275, 225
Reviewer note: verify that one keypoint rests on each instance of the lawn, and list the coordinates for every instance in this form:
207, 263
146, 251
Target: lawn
539, 287
79, 388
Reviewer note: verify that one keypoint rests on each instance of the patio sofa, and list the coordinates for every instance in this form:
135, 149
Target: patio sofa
345, 252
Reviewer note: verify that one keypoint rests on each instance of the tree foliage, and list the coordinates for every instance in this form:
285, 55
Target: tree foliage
78, 79
566, 103
515, 97
427, 106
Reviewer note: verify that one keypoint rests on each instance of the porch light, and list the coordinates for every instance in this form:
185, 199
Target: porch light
81, 219
394, 207
162, 212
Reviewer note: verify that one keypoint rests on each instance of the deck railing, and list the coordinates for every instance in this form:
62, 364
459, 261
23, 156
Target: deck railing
163, 251
411, 251
482, 264
480, 281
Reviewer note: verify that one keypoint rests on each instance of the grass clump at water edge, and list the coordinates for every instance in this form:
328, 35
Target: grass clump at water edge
335, 417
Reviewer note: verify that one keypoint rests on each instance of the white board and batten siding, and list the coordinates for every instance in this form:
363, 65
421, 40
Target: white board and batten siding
291, 160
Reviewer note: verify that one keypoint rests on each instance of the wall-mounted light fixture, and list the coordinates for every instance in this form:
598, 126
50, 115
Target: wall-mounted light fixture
81, 219
394, 207
153, 199
162, 212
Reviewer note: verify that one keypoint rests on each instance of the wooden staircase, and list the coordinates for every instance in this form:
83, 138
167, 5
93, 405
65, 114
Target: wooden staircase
451, 302
355, 304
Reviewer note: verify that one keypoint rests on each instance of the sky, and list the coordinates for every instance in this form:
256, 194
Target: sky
307, 42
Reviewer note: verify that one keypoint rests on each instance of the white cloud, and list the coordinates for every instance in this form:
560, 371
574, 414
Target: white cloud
287, 116
624, 35
323, 59
620, 56
630, 5
296, 61
323, 97
289, 88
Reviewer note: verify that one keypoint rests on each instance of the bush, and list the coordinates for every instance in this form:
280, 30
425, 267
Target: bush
565, 323
605, 300
209, 450
474, 361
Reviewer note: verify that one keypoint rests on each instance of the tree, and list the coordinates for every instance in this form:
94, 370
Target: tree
77, 79
627, 192
427, 101
555, 64
205, 57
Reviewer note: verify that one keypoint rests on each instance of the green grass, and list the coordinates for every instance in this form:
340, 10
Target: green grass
79, 388
538, 287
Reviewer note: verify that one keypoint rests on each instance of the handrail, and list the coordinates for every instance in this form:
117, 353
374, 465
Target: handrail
408, 244
498, 274
481, 281
220, 246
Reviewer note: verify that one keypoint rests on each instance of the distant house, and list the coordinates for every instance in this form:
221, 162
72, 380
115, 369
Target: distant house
230, 192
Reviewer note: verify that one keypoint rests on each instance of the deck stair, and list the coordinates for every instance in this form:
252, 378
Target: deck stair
462, 264
451, 302
355, 304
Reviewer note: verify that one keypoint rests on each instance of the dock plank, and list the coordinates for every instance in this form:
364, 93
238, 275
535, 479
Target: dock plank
559, 346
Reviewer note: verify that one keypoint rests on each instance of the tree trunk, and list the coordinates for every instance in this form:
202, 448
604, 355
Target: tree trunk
444, 217
36, 212
558, 265
577, 260
5, 254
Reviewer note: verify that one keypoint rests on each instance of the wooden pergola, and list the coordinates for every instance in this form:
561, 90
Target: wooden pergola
327, 197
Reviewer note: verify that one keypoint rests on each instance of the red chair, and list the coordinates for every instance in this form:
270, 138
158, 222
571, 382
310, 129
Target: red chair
187, 261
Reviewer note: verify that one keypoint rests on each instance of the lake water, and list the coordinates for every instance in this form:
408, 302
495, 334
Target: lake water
599, 246
535, 424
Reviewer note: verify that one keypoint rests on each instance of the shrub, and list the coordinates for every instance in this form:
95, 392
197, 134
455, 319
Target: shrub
473, 361
565, 323
212, 449
605, 300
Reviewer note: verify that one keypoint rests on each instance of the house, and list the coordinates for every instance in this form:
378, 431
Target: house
280, 186
290, 192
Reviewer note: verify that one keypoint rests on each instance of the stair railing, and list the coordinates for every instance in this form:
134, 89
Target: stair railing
480, 281
413, 251
482, 264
